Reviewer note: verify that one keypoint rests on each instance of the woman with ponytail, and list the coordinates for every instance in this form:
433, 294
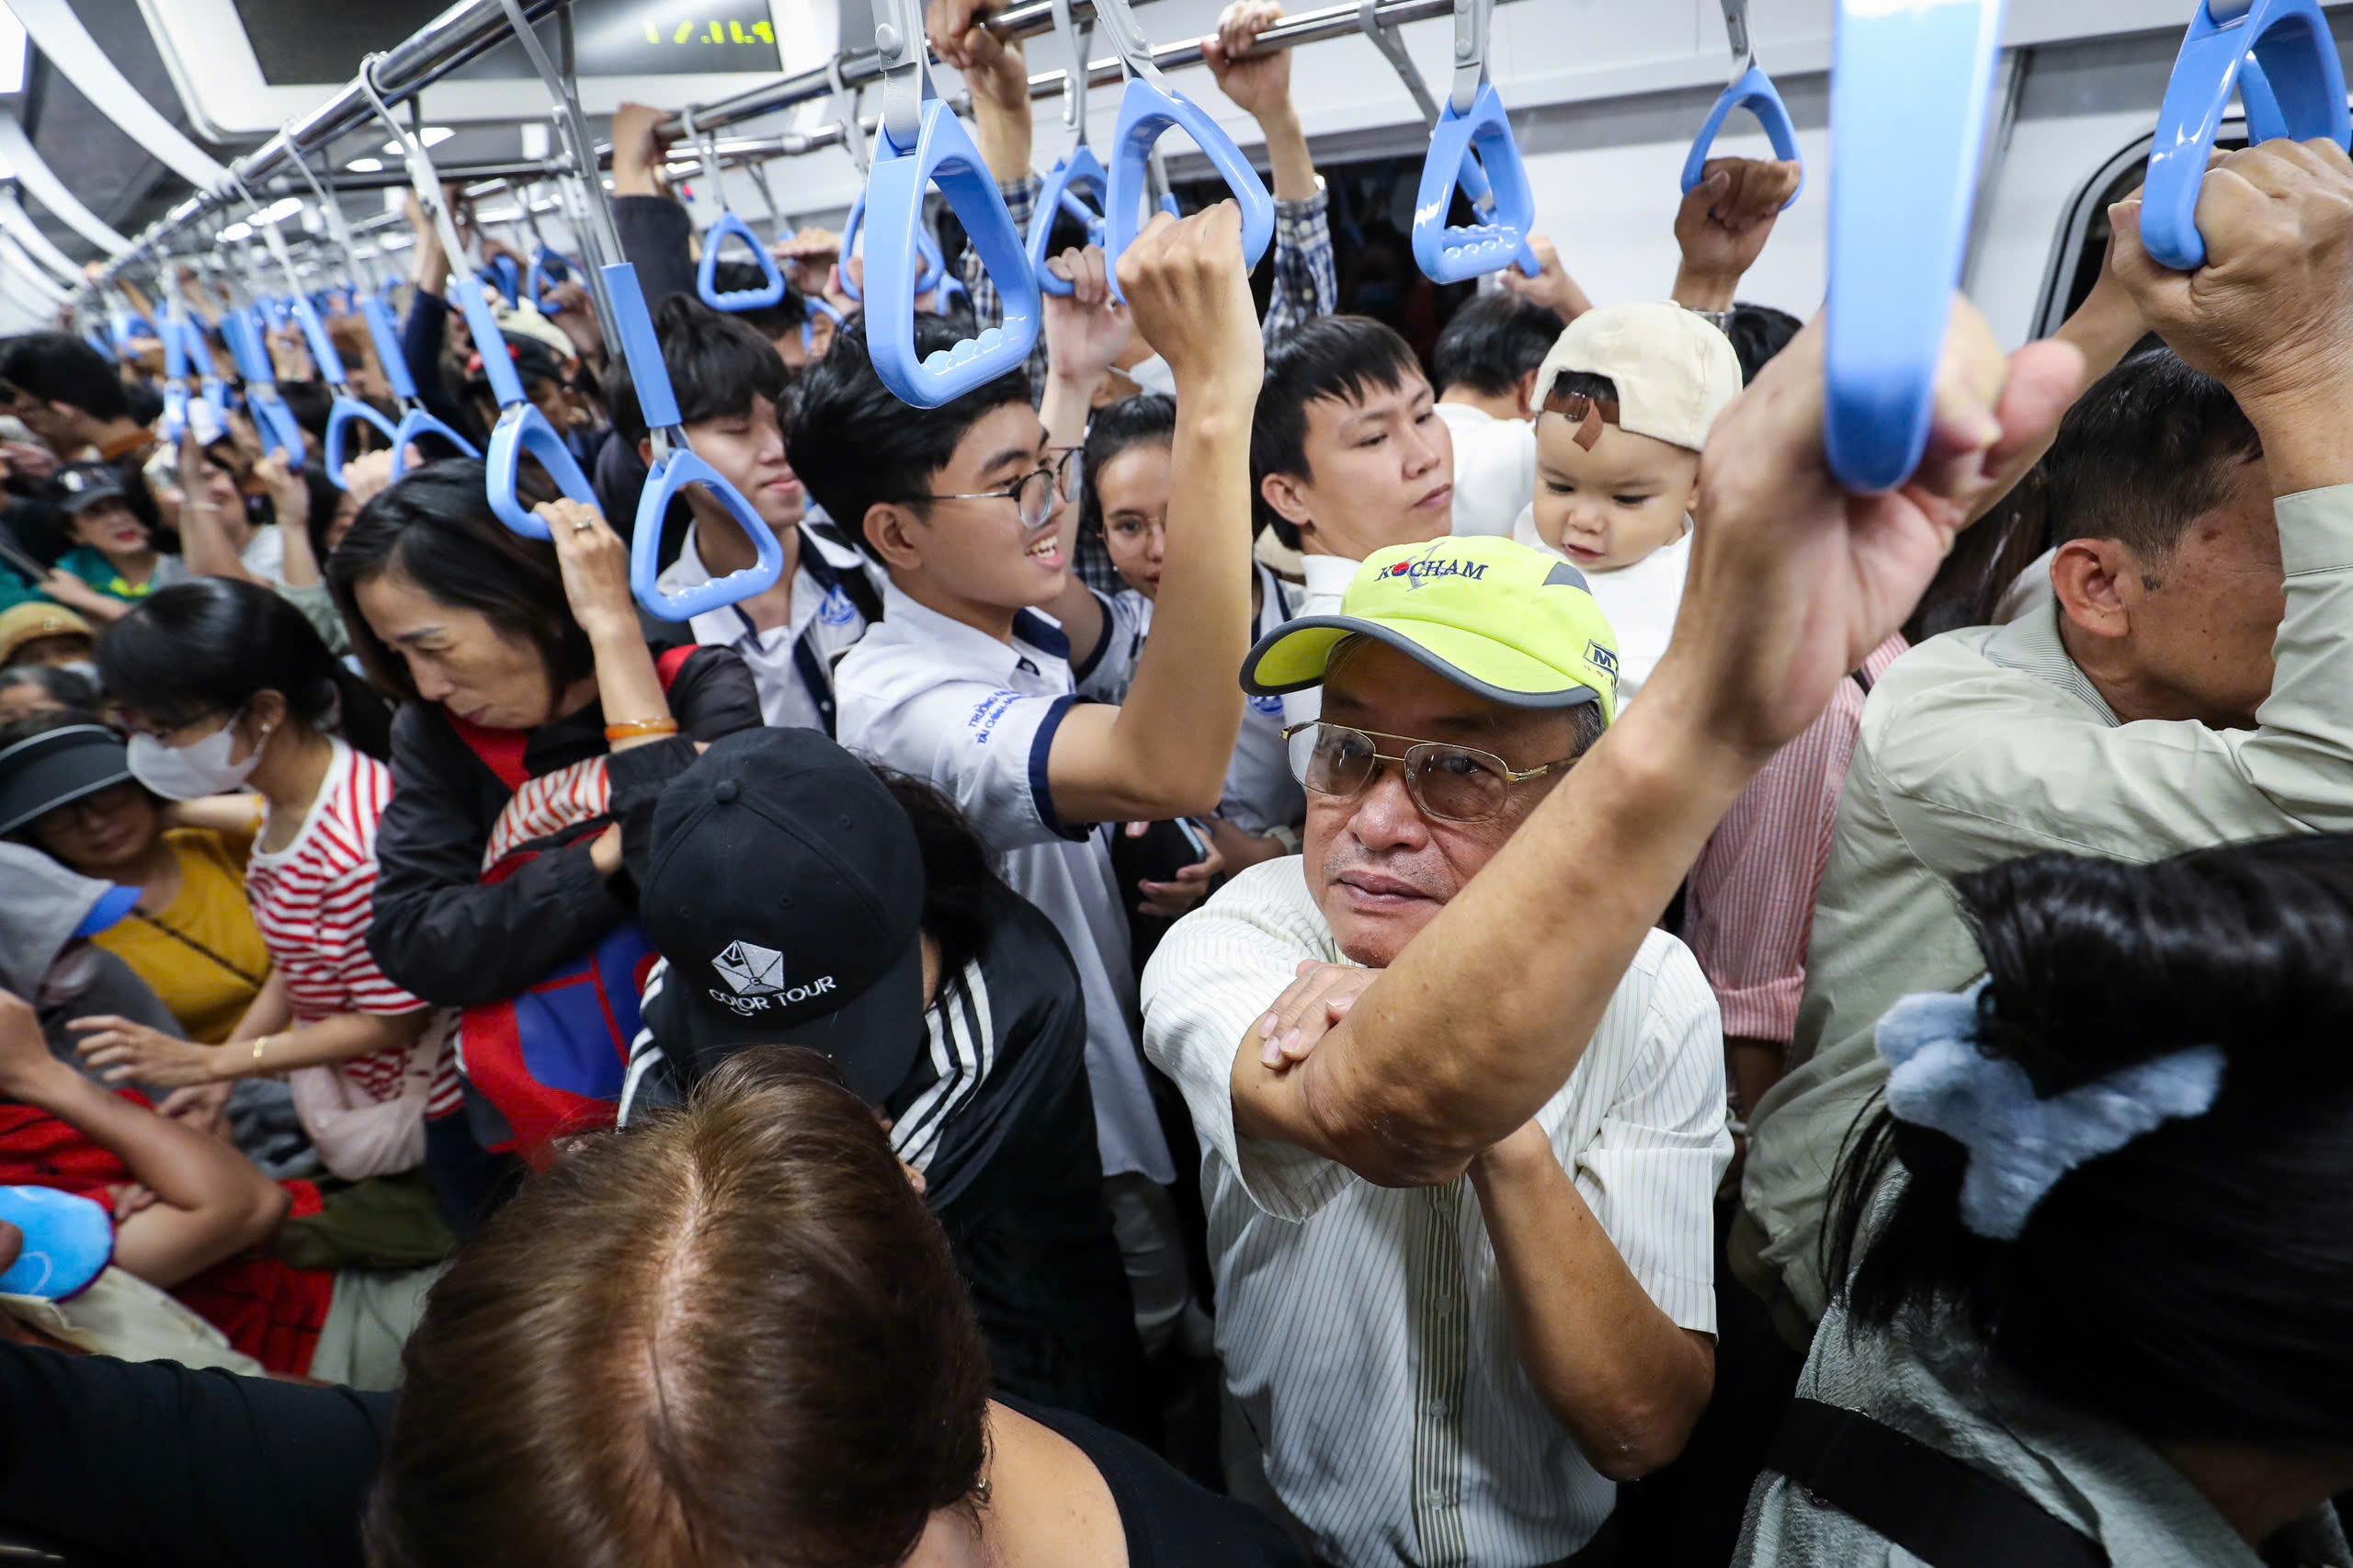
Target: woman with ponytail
225, 686
2100, 1302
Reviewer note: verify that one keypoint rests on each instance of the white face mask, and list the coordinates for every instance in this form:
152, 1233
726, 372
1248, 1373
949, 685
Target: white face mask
1153, 376
82, 667
192, 772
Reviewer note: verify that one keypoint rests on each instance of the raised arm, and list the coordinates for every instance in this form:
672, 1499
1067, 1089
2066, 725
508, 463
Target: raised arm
1164, 753
1307, 281
1722, 225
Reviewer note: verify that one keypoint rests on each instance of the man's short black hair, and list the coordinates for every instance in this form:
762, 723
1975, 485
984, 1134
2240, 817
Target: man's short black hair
308, 402
856, 446
718, 364
1492, 342
2146, 452
770, 321
1339, 357
1757, 333
57, 367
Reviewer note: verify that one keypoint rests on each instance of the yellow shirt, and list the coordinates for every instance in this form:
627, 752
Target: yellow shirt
193, 952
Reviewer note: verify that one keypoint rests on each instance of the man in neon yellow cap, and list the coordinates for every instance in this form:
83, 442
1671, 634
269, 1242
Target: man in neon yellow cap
1461, 679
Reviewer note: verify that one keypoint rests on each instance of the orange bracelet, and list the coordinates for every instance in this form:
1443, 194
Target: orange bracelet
636, 729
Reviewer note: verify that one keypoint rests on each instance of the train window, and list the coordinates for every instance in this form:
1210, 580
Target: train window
2081, 245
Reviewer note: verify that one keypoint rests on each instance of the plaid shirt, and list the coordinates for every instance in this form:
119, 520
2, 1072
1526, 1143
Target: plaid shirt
1307, 285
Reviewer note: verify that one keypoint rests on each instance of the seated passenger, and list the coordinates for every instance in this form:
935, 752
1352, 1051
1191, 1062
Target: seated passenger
205, 671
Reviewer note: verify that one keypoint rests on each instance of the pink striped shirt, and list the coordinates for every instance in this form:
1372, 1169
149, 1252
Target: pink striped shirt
312, 902
1748, 909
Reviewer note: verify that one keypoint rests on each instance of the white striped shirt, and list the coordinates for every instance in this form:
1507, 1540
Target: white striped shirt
312, 901
1363, 1329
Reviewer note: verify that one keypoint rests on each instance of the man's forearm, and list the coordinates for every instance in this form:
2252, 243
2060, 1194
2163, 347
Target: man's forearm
183, 1167
1697, 291
2303, 436
1616, 1371
1294, 166
1515, 973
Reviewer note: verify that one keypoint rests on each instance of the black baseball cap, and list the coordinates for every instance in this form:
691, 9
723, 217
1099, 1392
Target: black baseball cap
785, 888
57, 768
77, 487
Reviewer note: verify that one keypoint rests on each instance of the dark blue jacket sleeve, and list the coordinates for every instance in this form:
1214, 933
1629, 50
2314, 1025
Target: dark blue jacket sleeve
421, 337
655, 234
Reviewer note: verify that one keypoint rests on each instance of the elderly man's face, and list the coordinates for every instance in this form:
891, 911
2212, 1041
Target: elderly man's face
1381, 869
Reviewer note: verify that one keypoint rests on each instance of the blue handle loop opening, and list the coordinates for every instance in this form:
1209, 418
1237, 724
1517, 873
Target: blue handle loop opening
935, 260
323, 351
1455, 253
1473, 181
522, 430
346, 410
549, 267
670, 474
943, 153
817, 307
1755, 93
1908, 93
416, 425
68, 1242
771, 289
1081, 171
2297, 90
503, 276
380, 330
1145, 114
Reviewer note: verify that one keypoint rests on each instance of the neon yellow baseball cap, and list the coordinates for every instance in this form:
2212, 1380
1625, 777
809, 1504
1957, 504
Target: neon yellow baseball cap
1511, 624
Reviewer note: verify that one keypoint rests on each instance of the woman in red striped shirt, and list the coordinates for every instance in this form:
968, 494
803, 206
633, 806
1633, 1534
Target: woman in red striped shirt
226, 687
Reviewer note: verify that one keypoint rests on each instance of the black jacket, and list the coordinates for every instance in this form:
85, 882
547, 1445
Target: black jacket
441, 935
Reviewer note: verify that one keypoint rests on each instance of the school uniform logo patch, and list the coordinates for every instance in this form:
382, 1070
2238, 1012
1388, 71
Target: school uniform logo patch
836, 610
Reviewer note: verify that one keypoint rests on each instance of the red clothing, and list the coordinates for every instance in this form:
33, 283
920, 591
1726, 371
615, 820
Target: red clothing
269, 1310
1749, 913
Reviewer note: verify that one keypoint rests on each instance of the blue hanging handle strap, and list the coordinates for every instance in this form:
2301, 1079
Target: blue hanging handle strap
522, 430
1908, 93
347, 411
924, 143
1472, 126
1148, 108
1078, 169
675, 467
1470, 177
1753, 90
2297, 90
727, 226
549, 267
280, 432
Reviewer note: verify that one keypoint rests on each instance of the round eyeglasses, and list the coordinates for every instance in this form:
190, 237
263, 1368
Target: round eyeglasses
1035, 493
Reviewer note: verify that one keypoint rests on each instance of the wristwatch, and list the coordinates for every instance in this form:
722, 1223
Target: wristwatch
1719, 320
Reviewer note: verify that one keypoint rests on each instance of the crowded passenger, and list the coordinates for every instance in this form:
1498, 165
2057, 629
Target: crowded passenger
1384, 928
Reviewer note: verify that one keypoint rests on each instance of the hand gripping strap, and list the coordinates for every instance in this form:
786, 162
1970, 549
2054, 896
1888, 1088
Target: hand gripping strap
1755, 92
1455, 255
1908, 91
281, 431
771, 289
2298, 91
339, 418
1145, 112
942, 152
673, 472
1082, 171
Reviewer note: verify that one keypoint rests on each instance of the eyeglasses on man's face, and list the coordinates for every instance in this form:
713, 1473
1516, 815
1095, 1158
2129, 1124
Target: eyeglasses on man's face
1450, 783
1035, 493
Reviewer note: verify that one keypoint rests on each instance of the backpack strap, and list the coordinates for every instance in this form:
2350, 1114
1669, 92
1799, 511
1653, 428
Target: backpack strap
1942, 1511
502, 751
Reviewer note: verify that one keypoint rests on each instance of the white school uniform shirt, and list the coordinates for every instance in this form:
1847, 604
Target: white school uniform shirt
1328, 577
951, 705
1260, 790
1495, 468
791, 665
1638, 601
1363, 1329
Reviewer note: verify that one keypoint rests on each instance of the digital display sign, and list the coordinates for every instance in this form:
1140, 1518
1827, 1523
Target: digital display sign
612, 37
